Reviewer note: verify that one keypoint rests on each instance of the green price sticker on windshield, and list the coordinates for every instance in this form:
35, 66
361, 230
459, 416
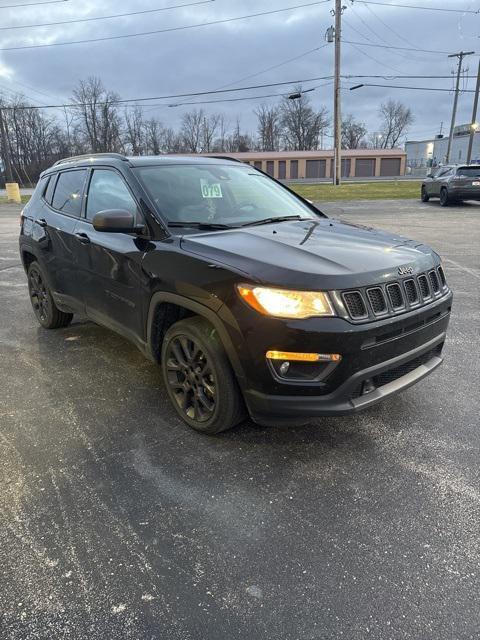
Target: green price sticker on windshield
211, 190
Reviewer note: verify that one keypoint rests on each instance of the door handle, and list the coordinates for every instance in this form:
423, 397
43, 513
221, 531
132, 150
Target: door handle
41, 222
82, 238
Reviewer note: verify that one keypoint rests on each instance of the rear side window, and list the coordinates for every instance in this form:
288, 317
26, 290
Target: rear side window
470, 172
108, 191
68, 192
48, 192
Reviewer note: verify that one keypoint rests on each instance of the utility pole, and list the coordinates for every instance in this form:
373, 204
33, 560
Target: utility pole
473, 125
460, 55
337, 114
5, 150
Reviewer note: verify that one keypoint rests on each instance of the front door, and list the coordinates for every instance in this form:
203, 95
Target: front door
110, 264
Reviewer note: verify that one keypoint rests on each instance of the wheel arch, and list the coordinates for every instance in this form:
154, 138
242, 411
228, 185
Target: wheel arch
166, 308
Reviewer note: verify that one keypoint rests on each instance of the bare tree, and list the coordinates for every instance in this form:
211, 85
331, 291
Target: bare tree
209, 128
268, 127
153, 137
192, 129
395, 120
353, 133
172, 142
97, 115
302, 126
134, 137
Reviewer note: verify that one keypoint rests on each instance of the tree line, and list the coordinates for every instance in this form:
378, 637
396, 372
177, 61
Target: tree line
97, 122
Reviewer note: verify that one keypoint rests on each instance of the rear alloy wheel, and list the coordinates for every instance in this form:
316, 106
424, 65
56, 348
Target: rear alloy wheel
444, 200
424, 197
46, 312
198, 377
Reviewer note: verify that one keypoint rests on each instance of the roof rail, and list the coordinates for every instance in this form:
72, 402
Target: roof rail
86, 156
223, 158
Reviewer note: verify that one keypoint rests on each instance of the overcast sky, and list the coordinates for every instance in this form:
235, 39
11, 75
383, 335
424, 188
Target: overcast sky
212, 56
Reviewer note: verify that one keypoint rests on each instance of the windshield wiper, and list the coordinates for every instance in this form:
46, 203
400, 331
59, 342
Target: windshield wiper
274, 219
201, 225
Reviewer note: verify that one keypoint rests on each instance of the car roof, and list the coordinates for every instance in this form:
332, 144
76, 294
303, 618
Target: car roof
117, 160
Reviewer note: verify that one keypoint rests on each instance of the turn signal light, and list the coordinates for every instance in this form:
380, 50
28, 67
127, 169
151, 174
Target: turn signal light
295, 356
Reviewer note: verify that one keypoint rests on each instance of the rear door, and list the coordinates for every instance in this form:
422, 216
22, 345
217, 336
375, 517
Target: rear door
54, 217
110, 264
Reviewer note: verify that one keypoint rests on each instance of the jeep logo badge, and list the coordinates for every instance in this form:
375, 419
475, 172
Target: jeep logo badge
405, 271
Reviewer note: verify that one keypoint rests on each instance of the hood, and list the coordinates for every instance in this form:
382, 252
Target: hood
329, 253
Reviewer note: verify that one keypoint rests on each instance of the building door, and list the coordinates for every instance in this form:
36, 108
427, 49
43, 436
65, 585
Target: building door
294, 169
390, 167
270, 165
315, 169
282, 169
365, 167
258, 164
346, 162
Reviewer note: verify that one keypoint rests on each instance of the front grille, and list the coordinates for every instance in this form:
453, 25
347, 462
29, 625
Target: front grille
423, 284
411, 291
441, 273
395, 296
377, 300
406, 367
434, 281
367, 304
355, 305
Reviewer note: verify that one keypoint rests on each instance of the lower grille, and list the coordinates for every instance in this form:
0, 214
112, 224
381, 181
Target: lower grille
406, 367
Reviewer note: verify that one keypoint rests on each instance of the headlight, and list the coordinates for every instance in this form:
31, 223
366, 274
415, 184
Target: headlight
286, 304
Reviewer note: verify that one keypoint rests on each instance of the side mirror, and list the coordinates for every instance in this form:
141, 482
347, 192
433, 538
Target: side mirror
114, 220
430, 175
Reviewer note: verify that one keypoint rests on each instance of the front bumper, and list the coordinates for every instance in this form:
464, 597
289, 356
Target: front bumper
390, 354
348, 398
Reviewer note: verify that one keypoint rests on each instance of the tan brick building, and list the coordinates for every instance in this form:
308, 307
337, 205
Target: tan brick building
358, 163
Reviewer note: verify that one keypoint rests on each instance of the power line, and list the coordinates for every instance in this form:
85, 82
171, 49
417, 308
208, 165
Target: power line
270, 95
412, 6
297, 81
385, 46
116, 15
168, 30
31, 4
396, 86
180, 95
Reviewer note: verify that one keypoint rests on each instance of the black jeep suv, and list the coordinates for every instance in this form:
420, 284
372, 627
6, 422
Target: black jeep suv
250, 298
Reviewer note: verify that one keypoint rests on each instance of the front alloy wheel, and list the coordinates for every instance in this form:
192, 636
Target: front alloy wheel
191, 379
198, 376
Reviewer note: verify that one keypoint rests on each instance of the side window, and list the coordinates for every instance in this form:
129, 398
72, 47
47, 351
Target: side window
68, 192
48, 192
108, 191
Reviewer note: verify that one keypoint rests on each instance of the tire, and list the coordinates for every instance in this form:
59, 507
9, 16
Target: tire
44, 308
424, 195
198, 377
444, 200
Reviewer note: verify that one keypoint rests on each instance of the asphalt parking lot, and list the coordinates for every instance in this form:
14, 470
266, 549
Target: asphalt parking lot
117, 521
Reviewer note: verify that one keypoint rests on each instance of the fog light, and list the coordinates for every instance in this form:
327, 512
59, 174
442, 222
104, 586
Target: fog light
303, 357
284, 367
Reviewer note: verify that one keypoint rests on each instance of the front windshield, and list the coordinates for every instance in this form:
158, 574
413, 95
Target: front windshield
218, 194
